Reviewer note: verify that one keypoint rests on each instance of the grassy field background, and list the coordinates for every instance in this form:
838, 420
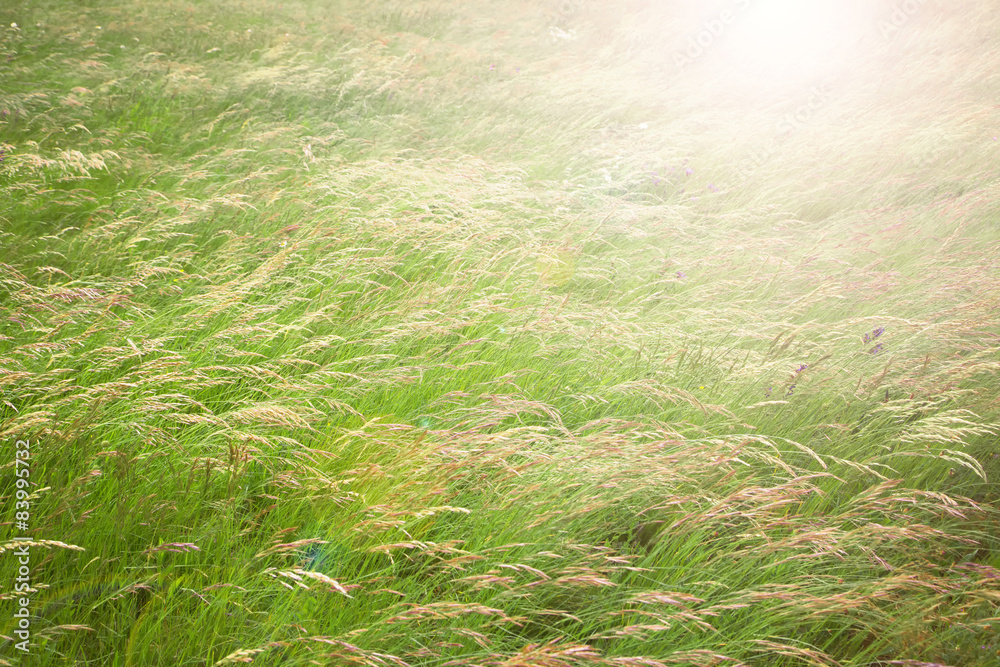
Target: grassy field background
467, 334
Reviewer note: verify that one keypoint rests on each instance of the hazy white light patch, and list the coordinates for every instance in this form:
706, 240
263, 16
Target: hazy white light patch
783, 40
559, 35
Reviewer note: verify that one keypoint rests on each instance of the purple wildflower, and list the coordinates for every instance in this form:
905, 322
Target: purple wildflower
875, 350
876, 332
801, 368
681, 274
689, 171
767, 392
791, 390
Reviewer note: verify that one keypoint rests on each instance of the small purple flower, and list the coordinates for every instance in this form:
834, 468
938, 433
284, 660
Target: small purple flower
875, 350
767, 392
492, 67
876, 332
712, 188
689, 171
791, 390
681, 275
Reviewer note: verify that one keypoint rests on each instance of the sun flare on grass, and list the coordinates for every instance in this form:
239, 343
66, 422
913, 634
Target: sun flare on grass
786, 41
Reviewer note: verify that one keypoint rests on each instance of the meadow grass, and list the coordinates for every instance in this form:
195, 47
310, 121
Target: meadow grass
482, 334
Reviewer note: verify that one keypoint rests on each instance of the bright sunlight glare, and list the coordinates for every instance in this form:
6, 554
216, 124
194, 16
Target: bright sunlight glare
783, 41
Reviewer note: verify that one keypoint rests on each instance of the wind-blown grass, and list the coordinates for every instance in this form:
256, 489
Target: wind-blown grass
425, 334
